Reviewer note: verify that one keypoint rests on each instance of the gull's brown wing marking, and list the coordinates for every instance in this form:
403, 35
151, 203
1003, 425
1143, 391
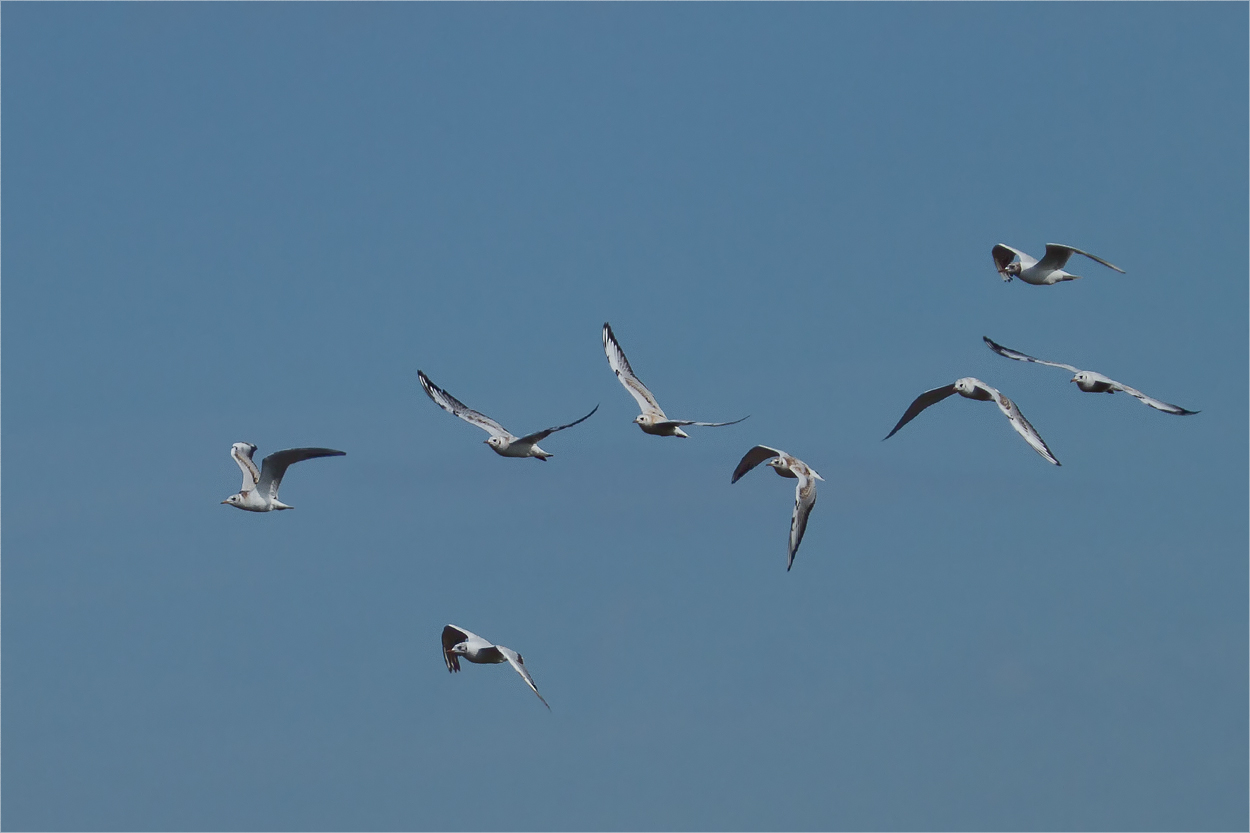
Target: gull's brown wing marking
1023, 427
804, 500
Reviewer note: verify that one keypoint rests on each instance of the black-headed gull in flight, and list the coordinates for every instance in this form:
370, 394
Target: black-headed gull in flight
504, 443
976, 389
259, 492
786, 465
1045, 272
457, 642
1089, 381
652, 420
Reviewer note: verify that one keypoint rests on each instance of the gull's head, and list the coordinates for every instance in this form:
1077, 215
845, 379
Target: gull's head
777, 463
966, 385
459, 648
234, 500
496, 443
1013, 268
1085, 380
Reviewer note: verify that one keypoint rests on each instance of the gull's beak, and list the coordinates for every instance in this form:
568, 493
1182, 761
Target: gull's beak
225, 501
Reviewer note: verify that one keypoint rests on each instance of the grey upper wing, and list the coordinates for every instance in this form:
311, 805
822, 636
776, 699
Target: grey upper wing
620, 366
921, 402
1057, 255
1157, 404
705, 424
454, 406
275, 465
518, 664
1023, 427
546, 432
804, 500
1023, 357
752, 459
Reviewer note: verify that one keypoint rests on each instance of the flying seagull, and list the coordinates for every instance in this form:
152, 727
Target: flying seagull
1044, 272
259, 492
504, 443
1089, 381
652, 420
457, 642
786, 465
976, 389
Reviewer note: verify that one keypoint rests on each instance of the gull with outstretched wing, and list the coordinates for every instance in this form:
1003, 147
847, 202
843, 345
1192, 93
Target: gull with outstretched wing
652, 420
259, 492
457, 642
1049, 270
1090, 381
501, 441
976, 389
786, 465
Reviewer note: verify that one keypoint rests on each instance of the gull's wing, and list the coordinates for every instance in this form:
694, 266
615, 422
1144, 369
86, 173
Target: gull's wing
275, 465
1004, 254
242, 454
620, 366
921, 402
518, 664
546, 432
1157, 404
804, 500
1057, 255
453, 636
1023, 427
1022, 357
454, 406
705, 424
753, 458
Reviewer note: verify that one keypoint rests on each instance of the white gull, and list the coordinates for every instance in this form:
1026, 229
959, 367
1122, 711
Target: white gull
1047, 271
786, 465
1089, 381
976, 389
501, 441
652, 420
457, 642
259, 492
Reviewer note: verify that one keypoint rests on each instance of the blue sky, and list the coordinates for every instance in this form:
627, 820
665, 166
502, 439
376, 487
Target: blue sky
255, 222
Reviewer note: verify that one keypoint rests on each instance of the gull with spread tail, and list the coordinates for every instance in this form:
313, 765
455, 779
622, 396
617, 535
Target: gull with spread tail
501, 441
652, 420
457, 642
259, 492
976, 389
786, 465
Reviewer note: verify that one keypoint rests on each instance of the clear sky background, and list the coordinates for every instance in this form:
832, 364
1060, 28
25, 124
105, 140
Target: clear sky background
228, 222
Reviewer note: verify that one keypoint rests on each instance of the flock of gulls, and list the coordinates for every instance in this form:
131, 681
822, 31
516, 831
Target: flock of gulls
259, 492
